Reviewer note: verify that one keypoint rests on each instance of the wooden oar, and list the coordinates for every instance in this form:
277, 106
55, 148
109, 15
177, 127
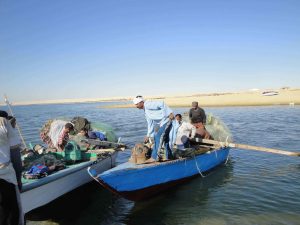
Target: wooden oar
107, 144
101, 150
249, 147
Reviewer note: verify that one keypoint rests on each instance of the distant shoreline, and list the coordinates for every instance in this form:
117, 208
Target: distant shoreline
248, 98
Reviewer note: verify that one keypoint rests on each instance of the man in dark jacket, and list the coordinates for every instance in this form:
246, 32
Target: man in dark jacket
197, 114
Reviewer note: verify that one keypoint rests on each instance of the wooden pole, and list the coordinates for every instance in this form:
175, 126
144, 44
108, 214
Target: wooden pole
17, 126
249, 147
101, 150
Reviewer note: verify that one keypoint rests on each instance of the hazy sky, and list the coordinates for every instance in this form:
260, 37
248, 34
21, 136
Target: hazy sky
56, 49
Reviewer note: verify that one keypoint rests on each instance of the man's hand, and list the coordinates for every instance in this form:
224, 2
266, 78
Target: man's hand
146, 139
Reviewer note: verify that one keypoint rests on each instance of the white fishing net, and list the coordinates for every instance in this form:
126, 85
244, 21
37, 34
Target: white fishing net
216, 127
105, 129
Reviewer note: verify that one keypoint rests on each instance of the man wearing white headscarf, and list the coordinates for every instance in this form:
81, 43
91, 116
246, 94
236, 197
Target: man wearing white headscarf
10, 206
160, 116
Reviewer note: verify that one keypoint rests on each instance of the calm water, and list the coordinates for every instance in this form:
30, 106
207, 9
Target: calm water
253, 188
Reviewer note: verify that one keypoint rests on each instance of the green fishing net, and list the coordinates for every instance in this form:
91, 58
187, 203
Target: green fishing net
217, 128
106, 129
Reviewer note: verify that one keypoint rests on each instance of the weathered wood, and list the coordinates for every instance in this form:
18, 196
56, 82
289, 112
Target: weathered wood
101, 150
106, 144
249, 147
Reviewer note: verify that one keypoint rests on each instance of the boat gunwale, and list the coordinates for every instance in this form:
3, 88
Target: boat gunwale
134, 195
36, 183
146, 166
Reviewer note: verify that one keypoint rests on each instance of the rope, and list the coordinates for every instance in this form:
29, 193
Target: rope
227, 144
111, 160
226, 141
198, 167
216, 154
227, 159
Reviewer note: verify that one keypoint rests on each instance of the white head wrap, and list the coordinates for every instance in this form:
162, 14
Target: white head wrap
138, 99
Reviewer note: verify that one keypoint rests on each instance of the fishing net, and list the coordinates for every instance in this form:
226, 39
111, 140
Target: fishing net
216, 127
218, 130
52, 128
106, 129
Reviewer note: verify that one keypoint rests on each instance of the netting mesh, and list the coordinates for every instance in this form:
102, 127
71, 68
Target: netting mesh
216, 127
51, 138
106, 129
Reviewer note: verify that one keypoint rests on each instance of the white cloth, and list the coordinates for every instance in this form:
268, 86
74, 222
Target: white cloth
138, 99
56, 128
184, 132
8, 139
8, 173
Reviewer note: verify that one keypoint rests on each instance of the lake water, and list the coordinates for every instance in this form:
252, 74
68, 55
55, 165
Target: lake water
252, 188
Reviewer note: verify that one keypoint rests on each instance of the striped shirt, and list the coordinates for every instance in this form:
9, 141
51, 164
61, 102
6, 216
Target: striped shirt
63, 139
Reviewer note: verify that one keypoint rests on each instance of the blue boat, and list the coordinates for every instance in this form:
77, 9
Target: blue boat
140, 181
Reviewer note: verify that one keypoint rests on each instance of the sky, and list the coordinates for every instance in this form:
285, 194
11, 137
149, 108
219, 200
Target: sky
58, 49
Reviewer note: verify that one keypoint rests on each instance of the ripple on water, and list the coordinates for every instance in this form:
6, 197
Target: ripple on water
254, 188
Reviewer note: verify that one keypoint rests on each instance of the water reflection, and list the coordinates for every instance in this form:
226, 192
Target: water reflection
91, 204
254, 188
178, 204
75, 206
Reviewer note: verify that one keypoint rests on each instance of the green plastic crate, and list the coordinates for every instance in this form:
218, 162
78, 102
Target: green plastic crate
86, 156
72, 152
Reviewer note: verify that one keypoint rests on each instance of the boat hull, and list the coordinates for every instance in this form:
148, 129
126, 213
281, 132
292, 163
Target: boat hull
47, 189
138, 182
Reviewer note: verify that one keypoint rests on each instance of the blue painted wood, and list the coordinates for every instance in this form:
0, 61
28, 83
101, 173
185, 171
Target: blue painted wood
132, 177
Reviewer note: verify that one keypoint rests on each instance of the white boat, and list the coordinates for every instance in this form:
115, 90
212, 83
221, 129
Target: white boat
270, 93
38, 192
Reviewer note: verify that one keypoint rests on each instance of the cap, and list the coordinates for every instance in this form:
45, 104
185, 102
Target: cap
138, 99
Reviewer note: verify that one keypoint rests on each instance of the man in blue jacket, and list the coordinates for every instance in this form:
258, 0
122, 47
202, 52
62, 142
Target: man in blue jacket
159, 119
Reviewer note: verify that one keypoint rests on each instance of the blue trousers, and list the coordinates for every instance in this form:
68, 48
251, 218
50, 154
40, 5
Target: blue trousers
161, 138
